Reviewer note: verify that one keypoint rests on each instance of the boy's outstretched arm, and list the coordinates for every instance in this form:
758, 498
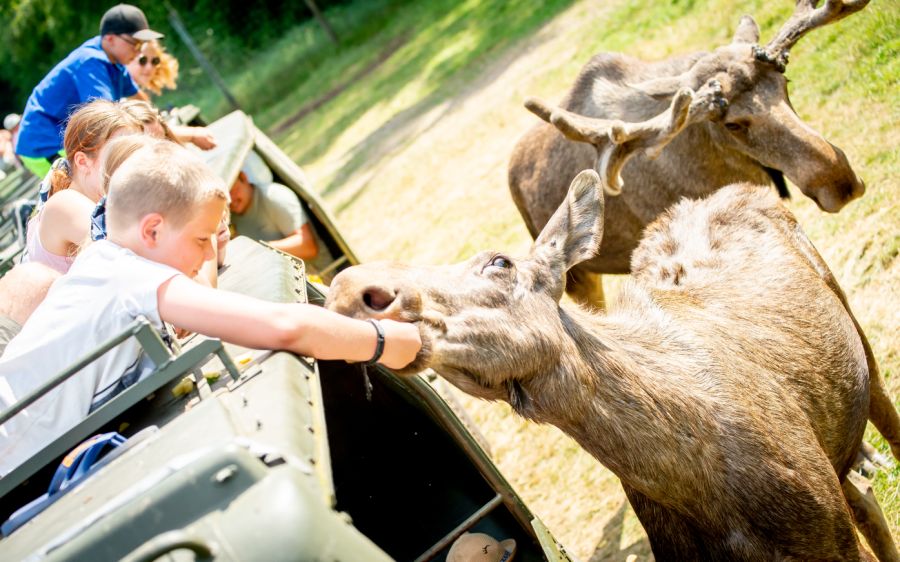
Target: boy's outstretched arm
302, 328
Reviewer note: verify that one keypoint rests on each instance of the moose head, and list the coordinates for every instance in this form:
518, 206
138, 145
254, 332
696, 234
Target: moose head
754, 117
492, 310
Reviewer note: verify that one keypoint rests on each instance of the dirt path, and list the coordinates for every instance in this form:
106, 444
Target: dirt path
444, 174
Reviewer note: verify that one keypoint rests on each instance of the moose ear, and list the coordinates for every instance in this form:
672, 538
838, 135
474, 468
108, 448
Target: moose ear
575, 230
747, 31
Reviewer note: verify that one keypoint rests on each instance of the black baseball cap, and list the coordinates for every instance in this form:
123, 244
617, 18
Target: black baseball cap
126, 19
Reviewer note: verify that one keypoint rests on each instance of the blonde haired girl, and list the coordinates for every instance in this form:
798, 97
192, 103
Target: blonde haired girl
75, 184
154, 69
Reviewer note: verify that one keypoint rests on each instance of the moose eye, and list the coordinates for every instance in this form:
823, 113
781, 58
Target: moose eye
735, 127
500, 261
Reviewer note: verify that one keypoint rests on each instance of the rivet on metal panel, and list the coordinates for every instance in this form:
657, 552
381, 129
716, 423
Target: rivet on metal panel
258, 425
244, 401
225, 474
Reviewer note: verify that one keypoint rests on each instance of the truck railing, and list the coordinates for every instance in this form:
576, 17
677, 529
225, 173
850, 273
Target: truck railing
168, 367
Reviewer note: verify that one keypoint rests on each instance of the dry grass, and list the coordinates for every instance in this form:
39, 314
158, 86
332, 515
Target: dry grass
429, 186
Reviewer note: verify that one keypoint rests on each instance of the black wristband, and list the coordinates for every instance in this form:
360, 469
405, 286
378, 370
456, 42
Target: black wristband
379, 344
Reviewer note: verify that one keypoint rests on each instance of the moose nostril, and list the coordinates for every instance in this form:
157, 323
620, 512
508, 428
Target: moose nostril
378, 299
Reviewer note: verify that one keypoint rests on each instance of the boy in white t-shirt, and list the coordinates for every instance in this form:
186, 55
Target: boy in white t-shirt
163, 208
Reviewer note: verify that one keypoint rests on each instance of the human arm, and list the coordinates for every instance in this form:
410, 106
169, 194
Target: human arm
301, 243
301, 328
200, 136
223, 236
94, 78
141, 95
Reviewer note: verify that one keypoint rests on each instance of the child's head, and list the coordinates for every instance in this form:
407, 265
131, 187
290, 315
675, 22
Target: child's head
165, 204
151, 121
87, 130
117, 151
253, 173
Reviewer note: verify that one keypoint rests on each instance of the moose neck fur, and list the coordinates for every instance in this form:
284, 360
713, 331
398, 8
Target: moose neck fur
617, 373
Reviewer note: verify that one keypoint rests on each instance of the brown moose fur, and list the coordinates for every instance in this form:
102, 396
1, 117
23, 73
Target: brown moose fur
727, 387
756, 129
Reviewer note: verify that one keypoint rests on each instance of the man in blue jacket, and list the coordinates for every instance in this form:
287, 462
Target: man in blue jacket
96, 69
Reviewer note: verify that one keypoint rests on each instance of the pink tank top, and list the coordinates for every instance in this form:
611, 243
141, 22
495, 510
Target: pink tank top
34, 251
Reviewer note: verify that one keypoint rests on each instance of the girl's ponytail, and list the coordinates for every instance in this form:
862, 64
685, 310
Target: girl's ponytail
60, 176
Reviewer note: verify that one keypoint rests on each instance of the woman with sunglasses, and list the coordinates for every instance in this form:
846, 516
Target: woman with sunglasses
154, 69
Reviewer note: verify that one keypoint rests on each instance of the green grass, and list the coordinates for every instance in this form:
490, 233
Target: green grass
383, 150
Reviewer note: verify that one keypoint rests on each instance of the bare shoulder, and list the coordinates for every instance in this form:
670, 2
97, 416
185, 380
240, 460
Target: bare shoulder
67, 203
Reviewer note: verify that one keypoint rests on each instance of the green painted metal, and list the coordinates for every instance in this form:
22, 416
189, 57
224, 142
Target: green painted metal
164, 374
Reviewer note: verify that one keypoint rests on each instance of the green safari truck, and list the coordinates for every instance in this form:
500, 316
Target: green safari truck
226, 453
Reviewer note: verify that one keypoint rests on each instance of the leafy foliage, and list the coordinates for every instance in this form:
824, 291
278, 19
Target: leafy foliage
39, 33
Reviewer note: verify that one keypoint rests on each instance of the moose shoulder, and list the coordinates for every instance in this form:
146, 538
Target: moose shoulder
727, 387
753, 136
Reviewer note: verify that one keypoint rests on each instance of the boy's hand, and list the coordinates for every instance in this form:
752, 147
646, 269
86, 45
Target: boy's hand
202, 138
223, 235
401, 343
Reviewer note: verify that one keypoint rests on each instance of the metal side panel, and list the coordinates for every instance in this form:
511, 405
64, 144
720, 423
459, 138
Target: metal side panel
285, 403
234, 140
218, 501
275, 520
207, 426
271, 414
259, 271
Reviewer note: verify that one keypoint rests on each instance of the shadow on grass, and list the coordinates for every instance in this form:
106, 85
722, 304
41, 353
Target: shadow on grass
609, 549
315, 104
469, 32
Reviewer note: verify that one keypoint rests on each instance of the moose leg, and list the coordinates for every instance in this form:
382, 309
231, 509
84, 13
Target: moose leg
868, 459
585, 287
869, 518
881, 409
671, 536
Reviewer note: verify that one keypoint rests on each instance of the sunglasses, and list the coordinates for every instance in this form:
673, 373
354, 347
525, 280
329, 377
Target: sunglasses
143, 60
130, 40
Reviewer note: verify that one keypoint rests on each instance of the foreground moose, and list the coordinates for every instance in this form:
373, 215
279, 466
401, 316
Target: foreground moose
684, 127
727, 389
751, 134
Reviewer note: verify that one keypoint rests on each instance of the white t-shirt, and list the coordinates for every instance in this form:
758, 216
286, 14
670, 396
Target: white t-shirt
105, 290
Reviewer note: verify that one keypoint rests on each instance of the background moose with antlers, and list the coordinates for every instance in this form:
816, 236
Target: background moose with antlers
686, 127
